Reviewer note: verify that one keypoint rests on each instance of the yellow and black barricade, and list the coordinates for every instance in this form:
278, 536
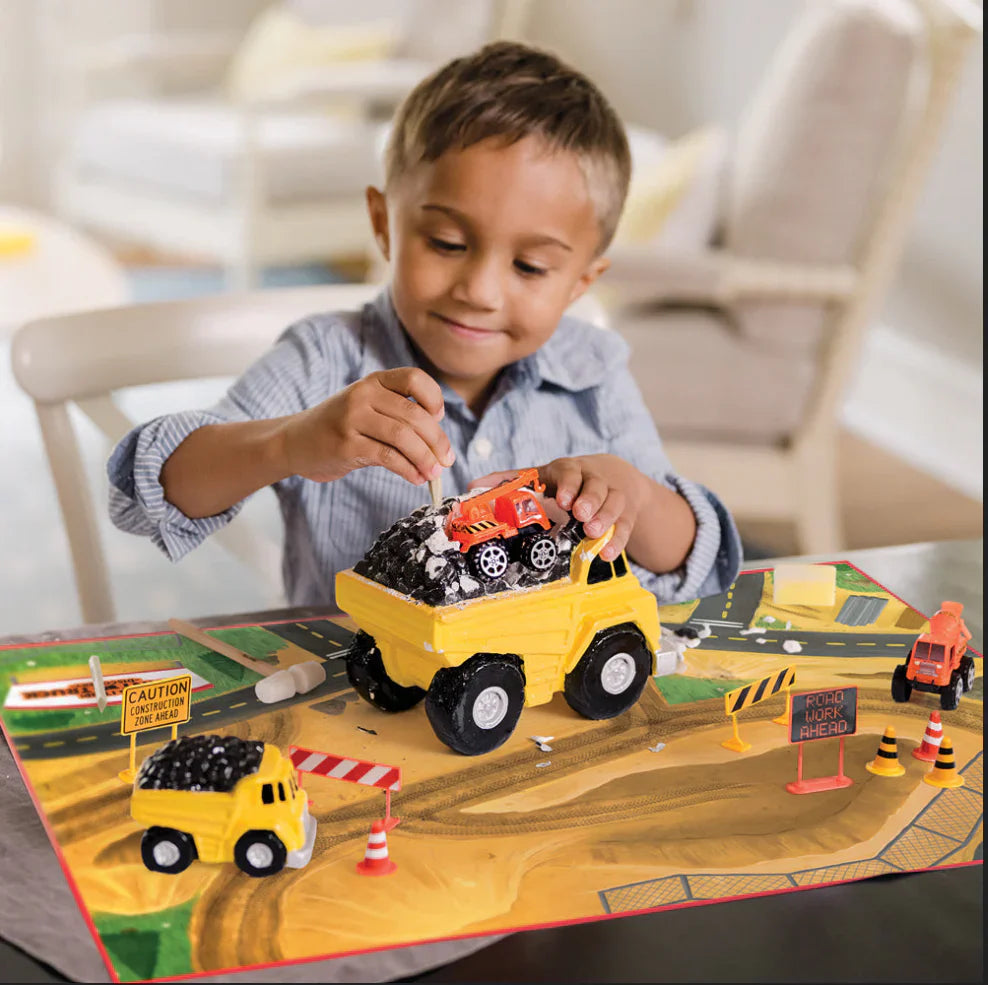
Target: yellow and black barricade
744, 697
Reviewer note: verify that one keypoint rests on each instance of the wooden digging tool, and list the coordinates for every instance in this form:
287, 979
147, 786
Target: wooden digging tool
203, 638
436, 489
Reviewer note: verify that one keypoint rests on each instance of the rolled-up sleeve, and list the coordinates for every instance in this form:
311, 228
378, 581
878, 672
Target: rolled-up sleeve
291, 377
715, 557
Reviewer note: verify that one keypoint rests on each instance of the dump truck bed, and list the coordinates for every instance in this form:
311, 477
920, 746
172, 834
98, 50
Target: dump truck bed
548, 626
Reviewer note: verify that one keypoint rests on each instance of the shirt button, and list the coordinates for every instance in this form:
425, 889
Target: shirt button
483, 449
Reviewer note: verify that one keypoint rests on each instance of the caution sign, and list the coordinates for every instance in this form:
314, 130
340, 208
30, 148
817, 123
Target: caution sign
823, 714
743, 697
155, 704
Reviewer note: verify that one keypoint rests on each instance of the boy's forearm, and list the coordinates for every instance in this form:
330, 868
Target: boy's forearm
664, 530
218, 465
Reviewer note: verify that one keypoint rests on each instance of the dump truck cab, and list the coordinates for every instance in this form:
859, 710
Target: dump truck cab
592, 635
938, 661
221, 799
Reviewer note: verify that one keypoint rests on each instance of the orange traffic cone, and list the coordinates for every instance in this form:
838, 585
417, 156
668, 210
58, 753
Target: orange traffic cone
944, 772
375, 861
886, 761
930, 746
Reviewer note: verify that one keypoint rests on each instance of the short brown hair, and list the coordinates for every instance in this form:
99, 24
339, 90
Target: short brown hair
510, 90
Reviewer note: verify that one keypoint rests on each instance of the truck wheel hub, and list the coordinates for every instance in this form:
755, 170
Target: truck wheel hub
260, 856
617, 674
166, 853
490, 707
543, 555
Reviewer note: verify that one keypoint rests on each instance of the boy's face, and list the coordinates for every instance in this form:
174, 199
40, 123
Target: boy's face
488, 247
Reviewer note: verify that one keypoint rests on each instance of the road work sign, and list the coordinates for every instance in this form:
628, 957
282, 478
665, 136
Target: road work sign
155, 704
823, 714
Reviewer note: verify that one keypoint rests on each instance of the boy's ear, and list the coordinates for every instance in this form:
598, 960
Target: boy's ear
377, 209
593, 270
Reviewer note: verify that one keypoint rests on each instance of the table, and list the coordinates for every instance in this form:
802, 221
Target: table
915, 927
63, 271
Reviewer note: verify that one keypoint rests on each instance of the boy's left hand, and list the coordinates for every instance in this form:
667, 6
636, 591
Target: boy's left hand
599, 490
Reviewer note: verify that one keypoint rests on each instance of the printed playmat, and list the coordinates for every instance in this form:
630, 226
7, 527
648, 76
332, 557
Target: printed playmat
684, 798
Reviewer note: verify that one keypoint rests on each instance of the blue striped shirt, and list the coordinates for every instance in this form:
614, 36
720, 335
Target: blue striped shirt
574, 396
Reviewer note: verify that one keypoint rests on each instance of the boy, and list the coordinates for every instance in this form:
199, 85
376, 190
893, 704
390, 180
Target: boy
506, 175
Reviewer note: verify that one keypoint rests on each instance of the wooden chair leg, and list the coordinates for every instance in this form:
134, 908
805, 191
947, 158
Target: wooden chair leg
817, 520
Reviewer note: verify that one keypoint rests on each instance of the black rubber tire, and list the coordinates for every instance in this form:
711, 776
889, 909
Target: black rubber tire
365, 670
584, 688
450, 703
488, 561
538, 552
183, 842
950, 694
968, 672
902, 687
267, 839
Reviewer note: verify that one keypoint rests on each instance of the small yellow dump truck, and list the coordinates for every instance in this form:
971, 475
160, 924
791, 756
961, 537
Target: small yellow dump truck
221, 799
592, 635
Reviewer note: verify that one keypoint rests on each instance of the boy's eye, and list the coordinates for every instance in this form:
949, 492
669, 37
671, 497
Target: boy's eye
529, 269
445, 245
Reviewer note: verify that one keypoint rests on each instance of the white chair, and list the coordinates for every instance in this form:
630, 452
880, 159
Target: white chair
83, 359
265, 177
743, 350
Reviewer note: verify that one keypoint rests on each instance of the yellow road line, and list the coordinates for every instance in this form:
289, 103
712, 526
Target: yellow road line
301, 625
87, 738
866, 644
239, 704
314, 633
51, 745
334, 643
215, 711
831, 643
895, 644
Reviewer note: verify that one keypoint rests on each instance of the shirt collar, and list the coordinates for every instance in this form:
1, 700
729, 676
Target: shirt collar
572, 358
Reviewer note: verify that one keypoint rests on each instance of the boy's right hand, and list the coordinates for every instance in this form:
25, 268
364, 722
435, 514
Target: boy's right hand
372, 422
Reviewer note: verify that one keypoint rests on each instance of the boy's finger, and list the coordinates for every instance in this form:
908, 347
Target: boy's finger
491, 479
372, 452
416, 383
611, 509
617, 543
592, 495
398, 434
563, 479
399, 408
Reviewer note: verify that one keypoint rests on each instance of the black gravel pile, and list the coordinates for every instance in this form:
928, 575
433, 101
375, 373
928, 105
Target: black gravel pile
414, 557
200, 762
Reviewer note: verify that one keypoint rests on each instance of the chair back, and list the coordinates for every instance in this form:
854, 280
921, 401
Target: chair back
83, 359
830, 160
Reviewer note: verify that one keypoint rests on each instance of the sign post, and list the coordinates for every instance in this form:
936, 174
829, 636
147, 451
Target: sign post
744, 697
153, 705
822, 715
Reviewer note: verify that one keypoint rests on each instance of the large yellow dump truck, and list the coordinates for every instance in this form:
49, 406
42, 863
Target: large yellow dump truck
221, 799
592, 635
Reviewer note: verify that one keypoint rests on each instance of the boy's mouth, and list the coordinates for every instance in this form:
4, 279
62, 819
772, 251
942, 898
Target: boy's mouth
465, 331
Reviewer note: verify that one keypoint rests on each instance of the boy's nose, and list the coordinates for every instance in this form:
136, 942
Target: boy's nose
479, 285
